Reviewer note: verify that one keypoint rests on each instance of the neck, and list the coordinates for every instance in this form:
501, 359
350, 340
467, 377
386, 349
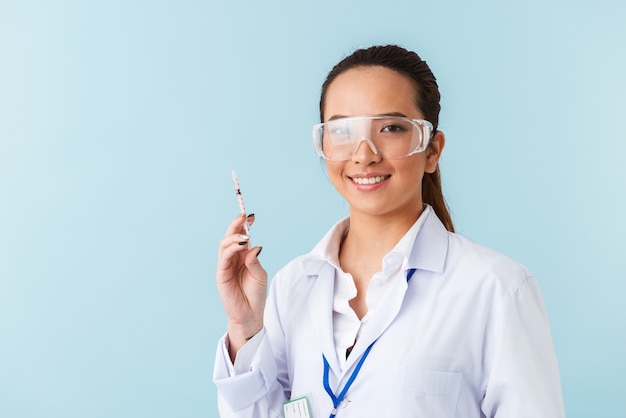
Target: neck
370, 234
370, 238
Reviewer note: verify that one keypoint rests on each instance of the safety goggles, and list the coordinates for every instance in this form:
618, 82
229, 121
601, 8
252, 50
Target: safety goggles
390, 137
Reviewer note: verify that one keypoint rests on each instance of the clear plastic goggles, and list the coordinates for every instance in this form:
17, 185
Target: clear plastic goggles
390, 137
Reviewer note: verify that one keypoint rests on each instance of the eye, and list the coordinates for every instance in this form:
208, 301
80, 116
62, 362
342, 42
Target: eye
338, 129
392, 128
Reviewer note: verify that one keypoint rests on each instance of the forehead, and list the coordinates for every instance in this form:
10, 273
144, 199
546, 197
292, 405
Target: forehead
371, 91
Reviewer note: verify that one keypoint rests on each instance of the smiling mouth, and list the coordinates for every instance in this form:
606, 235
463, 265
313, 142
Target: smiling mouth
369, 180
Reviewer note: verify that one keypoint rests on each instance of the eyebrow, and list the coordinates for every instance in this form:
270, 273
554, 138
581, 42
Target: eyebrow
400, 114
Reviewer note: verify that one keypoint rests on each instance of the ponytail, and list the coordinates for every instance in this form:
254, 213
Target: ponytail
432, 194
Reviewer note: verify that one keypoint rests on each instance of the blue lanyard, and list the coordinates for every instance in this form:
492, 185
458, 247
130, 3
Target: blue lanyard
337, 399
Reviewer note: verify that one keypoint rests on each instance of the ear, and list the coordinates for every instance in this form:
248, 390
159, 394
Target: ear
433, 152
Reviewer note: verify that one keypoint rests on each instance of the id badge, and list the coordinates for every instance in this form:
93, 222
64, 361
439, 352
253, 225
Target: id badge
297, 408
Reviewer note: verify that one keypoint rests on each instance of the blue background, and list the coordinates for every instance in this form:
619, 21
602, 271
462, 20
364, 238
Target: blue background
120, 122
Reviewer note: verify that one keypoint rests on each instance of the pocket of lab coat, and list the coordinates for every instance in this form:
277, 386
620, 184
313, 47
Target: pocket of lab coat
425, 393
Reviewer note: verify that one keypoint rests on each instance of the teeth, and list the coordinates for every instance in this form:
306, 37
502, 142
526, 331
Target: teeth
369, 180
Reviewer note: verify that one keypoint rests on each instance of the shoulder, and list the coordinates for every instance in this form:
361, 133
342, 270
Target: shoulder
301, 270
471, 264
466, 251
298, 266
459, 258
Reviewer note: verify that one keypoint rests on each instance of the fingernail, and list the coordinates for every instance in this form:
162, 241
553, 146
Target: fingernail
251, 215
243, 243
244, 236
259, 252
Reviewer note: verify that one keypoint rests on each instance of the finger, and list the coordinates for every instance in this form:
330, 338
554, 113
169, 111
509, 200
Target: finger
254, 265
236, 226
230, 245
229, 240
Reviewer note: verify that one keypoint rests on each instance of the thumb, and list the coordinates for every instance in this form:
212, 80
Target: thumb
254, 265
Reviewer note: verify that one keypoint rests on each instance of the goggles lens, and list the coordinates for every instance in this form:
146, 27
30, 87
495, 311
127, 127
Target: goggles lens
390, 137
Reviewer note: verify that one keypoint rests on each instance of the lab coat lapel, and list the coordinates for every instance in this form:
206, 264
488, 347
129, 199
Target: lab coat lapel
321, 314
429, 253
381, 320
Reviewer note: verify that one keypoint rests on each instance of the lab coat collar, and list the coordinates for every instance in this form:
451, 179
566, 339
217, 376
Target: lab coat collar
430, 249
428, 252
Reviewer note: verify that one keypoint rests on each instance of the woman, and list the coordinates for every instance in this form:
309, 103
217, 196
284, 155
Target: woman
392, 313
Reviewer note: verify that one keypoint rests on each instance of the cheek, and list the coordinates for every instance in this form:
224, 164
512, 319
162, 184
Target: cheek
412, 167
410, 173
334, 169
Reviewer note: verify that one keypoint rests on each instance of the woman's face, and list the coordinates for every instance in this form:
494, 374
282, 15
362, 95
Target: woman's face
397, 190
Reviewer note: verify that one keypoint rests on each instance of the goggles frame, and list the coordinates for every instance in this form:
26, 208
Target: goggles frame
424, 128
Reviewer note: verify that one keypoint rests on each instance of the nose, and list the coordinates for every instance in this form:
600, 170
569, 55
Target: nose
365, 155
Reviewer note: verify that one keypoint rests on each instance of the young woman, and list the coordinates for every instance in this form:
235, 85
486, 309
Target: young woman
392, 313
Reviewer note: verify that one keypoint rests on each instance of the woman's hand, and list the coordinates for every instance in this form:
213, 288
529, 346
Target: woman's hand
241, 284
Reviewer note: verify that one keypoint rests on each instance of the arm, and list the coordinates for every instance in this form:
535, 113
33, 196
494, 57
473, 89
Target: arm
248, 388
246, 366
522, 376
257, 384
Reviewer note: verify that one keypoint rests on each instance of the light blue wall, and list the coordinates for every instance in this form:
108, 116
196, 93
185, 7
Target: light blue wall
120, 122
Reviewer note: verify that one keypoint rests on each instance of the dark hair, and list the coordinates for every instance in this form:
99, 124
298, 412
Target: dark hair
409, 64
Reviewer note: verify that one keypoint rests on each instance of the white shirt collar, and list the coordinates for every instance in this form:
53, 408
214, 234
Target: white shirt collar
424, 246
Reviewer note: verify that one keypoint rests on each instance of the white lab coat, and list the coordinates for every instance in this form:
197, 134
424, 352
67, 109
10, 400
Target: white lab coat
467, 336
